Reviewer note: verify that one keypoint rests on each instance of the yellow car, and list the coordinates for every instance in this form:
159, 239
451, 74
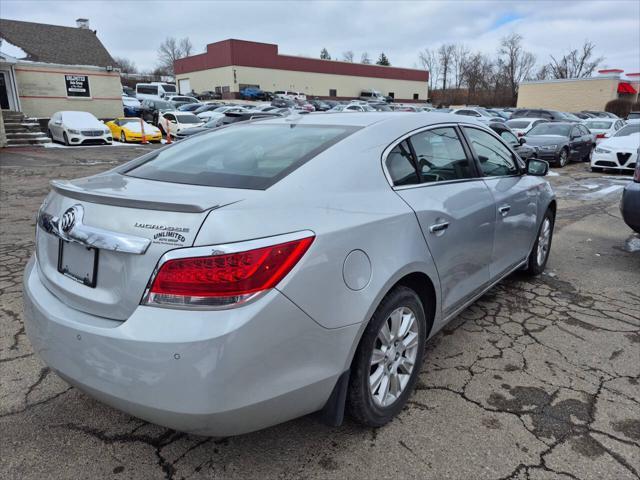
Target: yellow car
128, 129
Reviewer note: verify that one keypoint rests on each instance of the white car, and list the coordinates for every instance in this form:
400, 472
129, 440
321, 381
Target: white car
78, 128
634, 117
291, 95
175, 121
619, 152
603, 128
479, 114
521, 126
219, 112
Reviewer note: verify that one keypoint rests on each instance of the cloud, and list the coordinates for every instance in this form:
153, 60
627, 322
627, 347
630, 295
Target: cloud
400, 29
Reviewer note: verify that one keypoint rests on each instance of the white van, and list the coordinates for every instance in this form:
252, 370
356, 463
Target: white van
372, 96
154, 90
290, 95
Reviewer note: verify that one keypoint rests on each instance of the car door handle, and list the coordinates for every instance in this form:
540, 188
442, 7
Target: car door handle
439, 227
504, 210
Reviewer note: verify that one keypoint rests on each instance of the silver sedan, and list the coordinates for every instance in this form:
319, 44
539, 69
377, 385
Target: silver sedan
267, 270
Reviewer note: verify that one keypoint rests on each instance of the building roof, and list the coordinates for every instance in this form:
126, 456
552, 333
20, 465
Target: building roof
265, 55
56, 44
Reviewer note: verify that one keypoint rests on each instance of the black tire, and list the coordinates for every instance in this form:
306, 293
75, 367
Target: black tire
360, 402
587, 157
123, 137
66, 139
563, 158
534, 266
50, 133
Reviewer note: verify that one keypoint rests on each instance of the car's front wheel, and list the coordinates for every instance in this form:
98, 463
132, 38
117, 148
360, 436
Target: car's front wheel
563, 158
66, 139
541, 248
388, 359
123, 137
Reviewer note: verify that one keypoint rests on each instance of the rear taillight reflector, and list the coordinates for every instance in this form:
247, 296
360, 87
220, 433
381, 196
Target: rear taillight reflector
226, 278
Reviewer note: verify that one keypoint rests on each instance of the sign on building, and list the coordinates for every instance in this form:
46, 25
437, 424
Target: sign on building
77, 86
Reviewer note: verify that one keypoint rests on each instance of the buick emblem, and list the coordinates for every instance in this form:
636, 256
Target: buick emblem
68, 220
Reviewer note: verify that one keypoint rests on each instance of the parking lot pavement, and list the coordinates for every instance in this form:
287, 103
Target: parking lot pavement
537, 380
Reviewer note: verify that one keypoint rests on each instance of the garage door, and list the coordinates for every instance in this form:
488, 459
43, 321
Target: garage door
184, 86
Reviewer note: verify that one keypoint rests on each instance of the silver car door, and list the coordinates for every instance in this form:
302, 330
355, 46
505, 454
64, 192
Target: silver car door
515, 197
454, 207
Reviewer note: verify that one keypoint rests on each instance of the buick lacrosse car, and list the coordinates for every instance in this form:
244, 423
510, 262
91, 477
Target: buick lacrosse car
267, 270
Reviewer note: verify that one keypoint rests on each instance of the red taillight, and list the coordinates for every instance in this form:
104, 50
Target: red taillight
229, 277
601, 135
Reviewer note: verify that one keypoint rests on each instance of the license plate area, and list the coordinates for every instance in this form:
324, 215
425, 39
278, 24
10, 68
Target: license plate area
78, 262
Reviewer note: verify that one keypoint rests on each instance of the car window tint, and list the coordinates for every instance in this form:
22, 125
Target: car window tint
253, 156
400, 165
495, 158
509, 137
440, 155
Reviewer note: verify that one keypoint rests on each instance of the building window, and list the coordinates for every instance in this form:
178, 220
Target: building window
392, 95
333, 92
218, 89
226, 89
416, 96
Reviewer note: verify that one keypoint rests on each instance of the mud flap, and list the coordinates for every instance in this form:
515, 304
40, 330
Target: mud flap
332, 414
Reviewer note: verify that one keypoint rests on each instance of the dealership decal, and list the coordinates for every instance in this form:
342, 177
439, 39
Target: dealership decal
169, 238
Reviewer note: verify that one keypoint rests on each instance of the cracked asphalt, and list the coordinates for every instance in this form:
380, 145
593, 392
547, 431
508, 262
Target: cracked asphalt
537, 380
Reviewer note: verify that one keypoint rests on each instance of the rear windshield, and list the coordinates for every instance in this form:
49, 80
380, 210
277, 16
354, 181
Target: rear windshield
598, 125
188, 118
518, 123
550, 129
249, 156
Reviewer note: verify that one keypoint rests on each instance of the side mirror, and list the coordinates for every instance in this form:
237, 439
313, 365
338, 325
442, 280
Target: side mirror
522, 140
537, 167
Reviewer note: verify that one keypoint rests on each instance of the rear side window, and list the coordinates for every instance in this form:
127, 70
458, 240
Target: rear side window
495, 158
440, 155
400, 165
248, 156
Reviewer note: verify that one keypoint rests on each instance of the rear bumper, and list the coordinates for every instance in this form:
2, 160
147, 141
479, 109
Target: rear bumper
216, 373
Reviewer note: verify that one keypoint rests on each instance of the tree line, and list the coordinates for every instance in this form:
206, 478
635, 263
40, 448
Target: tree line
458, 75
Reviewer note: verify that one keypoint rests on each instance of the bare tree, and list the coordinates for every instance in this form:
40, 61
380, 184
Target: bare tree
171, 50
460, 56
125, 65
575, 64
428, 58
516, 62
445, 56
478, 73
543, 73
364, 58
347, 56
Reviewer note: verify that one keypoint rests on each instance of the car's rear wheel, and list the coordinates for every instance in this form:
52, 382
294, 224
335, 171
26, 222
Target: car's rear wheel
541, 248
563, 159
388, 359
123, 137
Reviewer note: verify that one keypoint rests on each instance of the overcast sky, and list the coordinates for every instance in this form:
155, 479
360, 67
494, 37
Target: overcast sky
400, 29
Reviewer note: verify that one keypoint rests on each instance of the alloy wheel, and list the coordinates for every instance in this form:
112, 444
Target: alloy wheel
544, 238
563, 158
123, 137
393, 357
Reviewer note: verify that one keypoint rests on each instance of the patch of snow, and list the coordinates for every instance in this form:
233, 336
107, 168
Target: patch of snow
551, 173
632, 244
12, 50
80, 120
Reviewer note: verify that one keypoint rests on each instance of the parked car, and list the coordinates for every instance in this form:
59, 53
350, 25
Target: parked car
78, 128
479, 114
227, 119
601, 114
130, 106
320, 105
583, 115
381, 107
150, 110
551, 115
561, 142
128, 91
155, 90
633, 117
570, 117
179, 100
630, 202
620, 152
520, 126
208, 95
190, 107
603, 128
208, 107
282, 102
223, 301
252, 93
219, 112
290, 95
130, 130
372, 96
518, 145
174, 121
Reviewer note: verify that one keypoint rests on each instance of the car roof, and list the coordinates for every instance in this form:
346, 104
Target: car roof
364, 119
